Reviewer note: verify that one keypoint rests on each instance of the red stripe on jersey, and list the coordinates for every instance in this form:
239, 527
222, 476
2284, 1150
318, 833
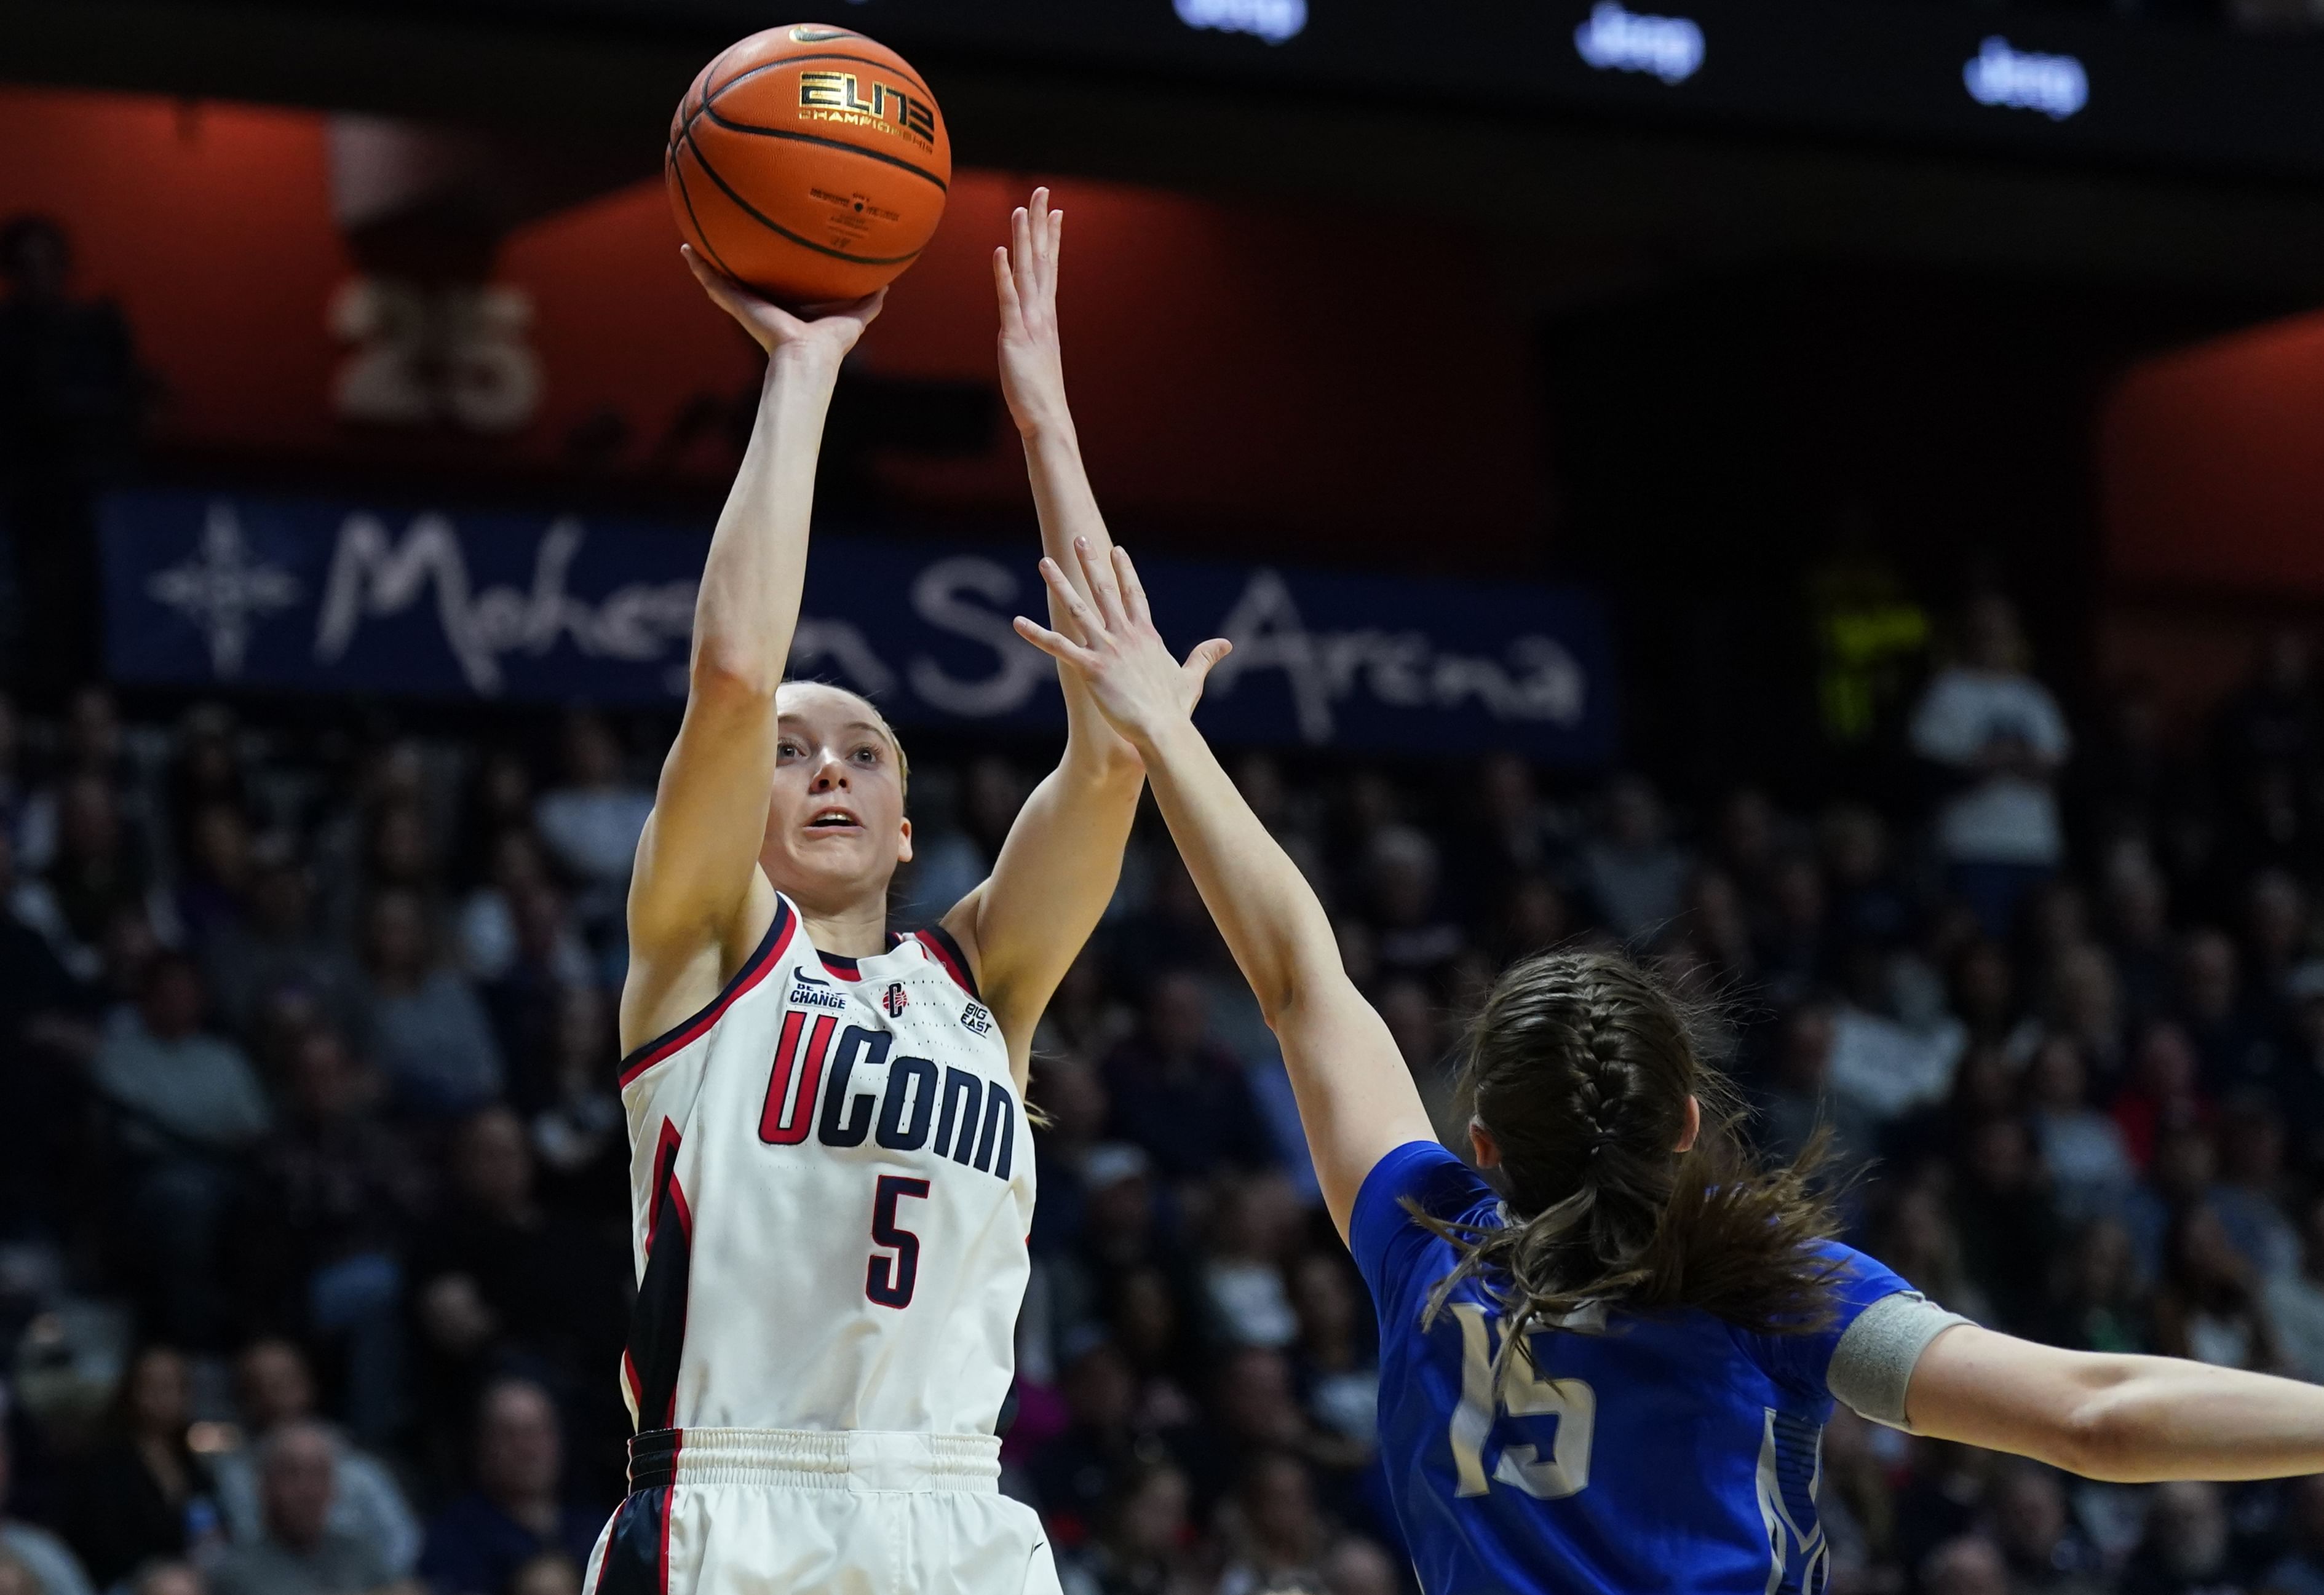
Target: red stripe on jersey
946, 951
845, 968
754, 969
668, 1506
637, 1388
664, 1180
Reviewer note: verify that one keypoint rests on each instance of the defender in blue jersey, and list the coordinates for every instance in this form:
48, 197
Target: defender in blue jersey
1608, 1368
1671, 1451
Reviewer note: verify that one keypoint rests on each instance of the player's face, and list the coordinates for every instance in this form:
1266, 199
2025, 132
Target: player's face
835, 824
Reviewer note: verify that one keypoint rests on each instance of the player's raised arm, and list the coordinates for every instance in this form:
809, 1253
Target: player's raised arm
698, 898
1056, 872
1356, 1100
2134, 1420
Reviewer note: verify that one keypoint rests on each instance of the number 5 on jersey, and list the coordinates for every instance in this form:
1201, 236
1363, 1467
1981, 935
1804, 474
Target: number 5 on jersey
1573, 1403
889, 1281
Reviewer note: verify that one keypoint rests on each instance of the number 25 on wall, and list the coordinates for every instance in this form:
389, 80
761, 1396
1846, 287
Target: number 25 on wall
1527, 1395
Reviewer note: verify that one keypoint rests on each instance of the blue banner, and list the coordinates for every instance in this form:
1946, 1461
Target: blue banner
224, 591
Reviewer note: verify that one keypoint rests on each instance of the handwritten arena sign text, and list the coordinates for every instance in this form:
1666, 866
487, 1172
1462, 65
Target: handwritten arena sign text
210, 591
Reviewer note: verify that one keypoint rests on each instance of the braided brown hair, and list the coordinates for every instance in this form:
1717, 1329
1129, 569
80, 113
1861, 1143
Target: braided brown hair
1579, 1065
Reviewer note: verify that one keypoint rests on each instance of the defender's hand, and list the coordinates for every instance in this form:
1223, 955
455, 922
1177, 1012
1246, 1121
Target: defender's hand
1133, 680
1025, 281
820, 332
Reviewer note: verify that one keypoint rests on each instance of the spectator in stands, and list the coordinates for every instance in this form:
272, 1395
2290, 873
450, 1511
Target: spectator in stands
2082, 1151
50, 1562
2208, 1306
2295, 1303
2101, 1307
503, 1281
1079, 1470
1797, 1100
517, 1509
429, 1034
1998, 736
333, 1194
1634, 874
1254, 1224
1274, 1535
2249, 1195
1355, 1566
97, 871
2009, 1229
2301, 1571
1968, 1565
2231, 1037
143, 1492
1404, 875
188, 1104
2045, 1552
275, 948
299, 1551
48, 1029
592, 822
364, 1509
1141, 1548
1335, 1366
166, 1576
1180, 1095
580, 1134
2188, 1548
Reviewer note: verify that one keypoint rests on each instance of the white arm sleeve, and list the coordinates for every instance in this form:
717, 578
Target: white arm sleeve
1872, 1366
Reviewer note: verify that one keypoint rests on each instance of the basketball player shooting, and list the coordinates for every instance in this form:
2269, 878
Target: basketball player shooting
831, 1168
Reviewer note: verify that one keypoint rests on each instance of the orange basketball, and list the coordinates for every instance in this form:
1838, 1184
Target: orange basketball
808, 162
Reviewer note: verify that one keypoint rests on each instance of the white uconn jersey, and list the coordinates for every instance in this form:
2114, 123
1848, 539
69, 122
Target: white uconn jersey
831, 1179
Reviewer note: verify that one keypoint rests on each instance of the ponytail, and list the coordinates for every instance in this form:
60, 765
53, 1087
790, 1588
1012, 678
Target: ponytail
1580, 1066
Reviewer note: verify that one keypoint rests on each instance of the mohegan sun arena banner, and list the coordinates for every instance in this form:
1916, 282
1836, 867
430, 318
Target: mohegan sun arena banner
207, 590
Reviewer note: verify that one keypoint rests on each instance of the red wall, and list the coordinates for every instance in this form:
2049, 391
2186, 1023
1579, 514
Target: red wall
1237, 370
2212, 462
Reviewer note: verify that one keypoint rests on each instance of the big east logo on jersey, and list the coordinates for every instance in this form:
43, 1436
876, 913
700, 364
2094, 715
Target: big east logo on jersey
956, 1113
892, 999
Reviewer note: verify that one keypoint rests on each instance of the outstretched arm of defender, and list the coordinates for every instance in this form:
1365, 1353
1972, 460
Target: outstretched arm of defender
2132, 1420
697, 894
1056, 872
1356, 1100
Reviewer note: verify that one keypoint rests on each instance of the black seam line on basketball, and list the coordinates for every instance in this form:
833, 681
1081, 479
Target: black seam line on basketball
700, 230
829, 143
710, 94
773, 225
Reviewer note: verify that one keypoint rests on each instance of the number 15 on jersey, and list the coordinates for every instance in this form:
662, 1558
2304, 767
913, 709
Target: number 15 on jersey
1527, 1395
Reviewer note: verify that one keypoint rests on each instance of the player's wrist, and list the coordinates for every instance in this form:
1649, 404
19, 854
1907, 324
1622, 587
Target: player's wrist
803, 360
1045, 422
1157, 737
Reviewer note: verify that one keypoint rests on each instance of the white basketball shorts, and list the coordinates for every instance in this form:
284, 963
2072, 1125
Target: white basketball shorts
790, 1512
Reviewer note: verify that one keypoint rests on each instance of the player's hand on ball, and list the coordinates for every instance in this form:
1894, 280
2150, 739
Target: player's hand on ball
821, 331
1133, 679
1025, 280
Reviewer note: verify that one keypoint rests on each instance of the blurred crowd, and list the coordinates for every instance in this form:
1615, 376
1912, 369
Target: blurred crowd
314, 1257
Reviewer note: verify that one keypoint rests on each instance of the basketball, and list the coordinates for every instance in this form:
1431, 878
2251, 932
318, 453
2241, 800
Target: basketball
809, 162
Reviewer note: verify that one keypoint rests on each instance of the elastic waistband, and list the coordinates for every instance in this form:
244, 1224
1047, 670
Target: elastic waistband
856, 1459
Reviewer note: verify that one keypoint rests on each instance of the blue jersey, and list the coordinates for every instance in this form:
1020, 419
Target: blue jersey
1673, 1452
